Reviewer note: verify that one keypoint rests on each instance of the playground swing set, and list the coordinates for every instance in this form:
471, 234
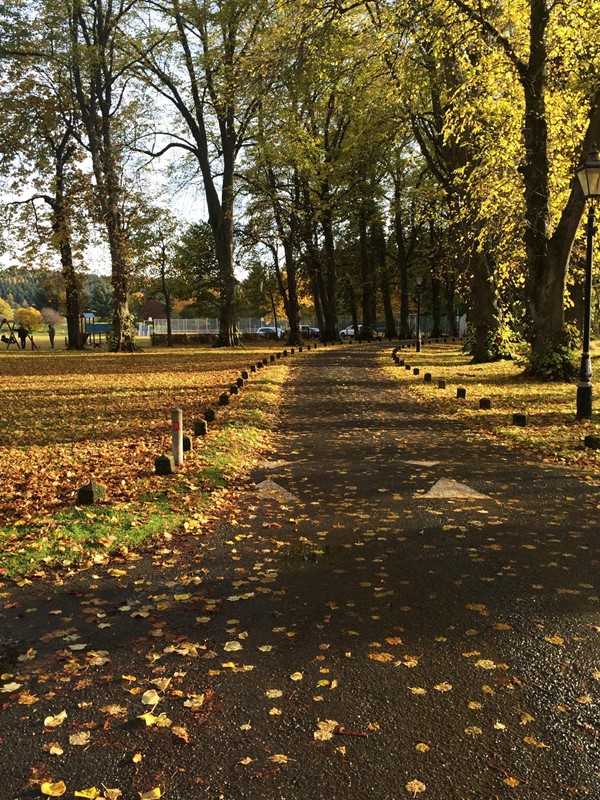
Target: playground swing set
16, 334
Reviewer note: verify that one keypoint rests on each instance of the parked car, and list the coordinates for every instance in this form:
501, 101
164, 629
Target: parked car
310, 333
348, 332
270, 332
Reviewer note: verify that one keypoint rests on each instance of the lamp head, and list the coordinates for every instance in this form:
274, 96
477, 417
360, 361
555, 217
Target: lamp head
589, 175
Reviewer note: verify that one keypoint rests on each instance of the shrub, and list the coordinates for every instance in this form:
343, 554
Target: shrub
556, 362
29, 318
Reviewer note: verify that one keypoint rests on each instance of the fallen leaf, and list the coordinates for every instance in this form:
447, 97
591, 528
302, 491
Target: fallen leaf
512, 782
383, 657
557, 640
152, 794
53, 789
81, 738
325, 730
91, 794
27, 699
11, 687
231, 647
279, 758
162, 721
272, 694
443, 687
151, 697
415, 787
296, 676
534, 742
54, 722
181, 733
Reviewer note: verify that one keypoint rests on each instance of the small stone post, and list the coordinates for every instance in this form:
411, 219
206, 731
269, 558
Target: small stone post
200, 427
177, 435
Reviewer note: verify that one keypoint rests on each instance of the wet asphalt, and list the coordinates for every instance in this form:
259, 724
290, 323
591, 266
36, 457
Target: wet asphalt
393, 608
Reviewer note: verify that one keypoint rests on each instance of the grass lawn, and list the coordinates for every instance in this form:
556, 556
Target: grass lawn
68, 417
552, 430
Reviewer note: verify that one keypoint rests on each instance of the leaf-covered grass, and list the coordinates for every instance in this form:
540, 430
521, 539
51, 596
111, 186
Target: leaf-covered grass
69, 417
552, 430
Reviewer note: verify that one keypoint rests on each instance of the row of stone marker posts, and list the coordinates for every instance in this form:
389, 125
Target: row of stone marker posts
181, 443
485, 404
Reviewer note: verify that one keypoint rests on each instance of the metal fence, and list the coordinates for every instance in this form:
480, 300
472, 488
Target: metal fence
205, 325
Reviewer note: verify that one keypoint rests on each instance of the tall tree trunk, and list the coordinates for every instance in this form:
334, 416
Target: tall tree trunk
483, 314
73, 296
436, 313
383, 268
450, 293
404, 332
62, 240
329, 296
367, 275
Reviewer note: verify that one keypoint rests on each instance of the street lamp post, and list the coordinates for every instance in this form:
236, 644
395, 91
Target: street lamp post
589, 177
419, 289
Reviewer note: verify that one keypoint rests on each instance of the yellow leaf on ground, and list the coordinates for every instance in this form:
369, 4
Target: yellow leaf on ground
181, 733
152, 794
557, 640
325, 730
54, 722
534, 742
443, 687
53, 789
162, 721
422, 747
485, 663
151, 697
512, 782
80, 738
10, 687
383, 657
279, 758
415, 787
117, 573
274, 693
91, 794
27, 699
